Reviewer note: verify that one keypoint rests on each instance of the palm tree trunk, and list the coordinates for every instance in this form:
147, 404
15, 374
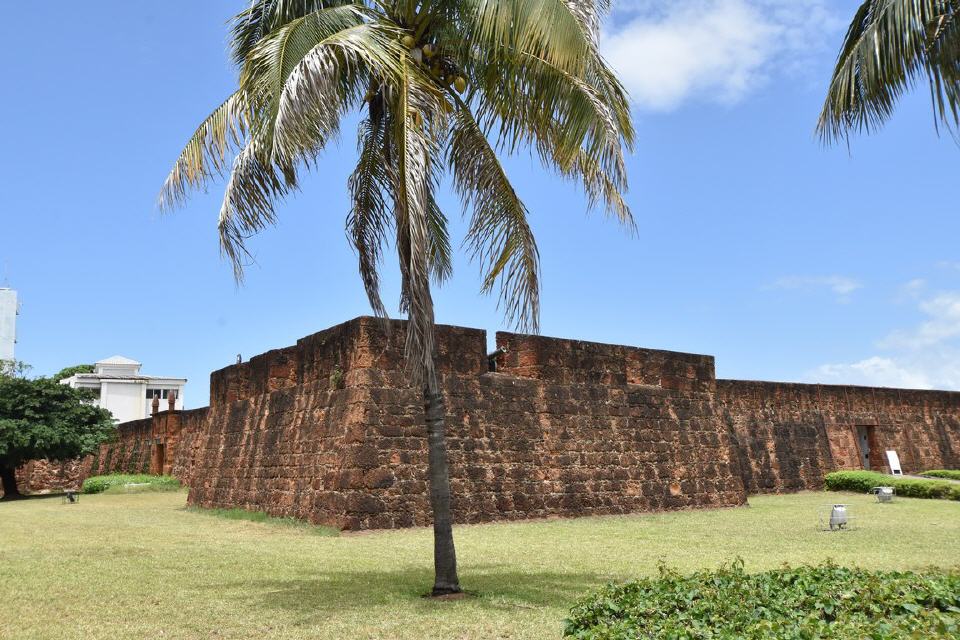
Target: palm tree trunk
8, 476
446, 581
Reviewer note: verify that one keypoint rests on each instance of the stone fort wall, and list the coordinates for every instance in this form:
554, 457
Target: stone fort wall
328, 430
788, 436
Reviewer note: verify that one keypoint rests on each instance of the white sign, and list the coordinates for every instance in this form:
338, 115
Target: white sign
894, 461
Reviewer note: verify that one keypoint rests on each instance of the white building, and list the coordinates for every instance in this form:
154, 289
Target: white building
8, 322
124, 391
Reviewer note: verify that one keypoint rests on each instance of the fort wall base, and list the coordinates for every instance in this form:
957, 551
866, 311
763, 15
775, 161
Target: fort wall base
329, 431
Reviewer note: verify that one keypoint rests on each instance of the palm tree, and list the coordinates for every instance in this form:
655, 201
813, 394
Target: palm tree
441, 85
890, 46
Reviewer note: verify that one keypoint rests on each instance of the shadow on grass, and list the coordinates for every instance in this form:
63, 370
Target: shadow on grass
492, 587
261, 517
24, 497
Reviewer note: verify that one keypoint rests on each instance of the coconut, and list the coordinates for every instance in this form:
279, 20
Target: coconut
408, 42
460, 84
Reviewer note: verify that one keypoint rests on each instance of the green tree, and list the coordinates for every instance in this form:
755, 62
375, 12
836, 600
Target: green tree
42, 418
66, 372
442, 86
14, 368
892, 45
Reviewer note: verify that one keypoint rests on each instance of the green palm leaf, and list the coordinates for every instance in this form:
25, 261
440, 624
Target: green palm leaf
206, 153
263, 17
499, 234
890, 46
248, 203
369, 217
326, 81
420, 119
269, 64
544, 28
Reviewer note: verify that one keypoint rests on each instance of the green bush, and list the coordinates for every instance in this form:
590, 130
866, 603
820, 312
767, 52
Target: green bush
117, 483
805, 602
864, 481
949, 474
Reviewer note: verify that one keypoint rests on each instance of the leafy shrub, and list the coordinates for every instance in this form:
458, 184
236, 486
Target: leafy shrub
805, 602
949, 474
117, 483
864, 481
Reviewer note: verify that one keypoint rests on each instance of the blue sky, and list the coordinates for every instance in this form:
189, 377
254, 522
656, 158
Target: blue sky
786, 260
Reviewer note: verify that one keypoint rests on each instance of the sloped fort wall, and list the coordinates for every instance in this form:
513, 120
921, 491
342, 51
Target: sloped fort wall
329, 431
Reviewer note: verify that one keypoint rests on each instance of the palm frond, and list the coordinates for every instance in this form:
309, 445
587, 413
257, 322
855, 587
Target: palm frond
589, 14
499, 235
277, 56
441, 252
564, 117
889, 47
264, 16
323, 85
601, 186
248, 203
944, 67
268, 64
369, 217
418, 126
206, 153
549, 29
602, 78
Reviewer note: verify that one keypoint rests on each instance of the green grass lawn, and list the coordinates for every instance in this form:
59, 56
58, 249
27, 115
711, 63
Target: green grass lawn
142, 566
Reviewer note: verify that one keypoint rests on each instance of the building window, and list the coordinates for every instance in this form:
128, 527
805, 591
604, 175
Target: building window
163, 393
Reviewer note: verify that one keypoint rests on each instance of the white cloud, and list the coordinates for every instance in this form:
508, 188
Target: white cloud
720, 50
842, 286
913, 288
925, 357
944, 324
874, 372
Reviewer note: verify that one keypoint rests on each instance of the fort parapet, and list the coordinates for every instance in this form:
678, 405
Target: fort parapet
328, 430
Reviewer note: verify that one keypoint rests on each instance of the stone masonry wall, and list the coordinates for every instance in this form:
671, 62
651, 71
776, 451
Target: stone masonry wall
577, 362
161, 444
790, 435
130, 452
44, 476
328, 430
533, 440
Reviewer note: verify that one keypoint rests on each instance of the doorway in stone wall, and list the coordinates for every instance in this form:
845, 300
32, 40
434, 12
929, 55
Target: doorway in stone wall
159, 459
864, 438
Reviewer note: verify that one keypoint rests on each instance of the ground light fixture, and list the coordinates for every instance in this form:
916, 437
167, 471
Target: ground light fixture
884, 494
835, 517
